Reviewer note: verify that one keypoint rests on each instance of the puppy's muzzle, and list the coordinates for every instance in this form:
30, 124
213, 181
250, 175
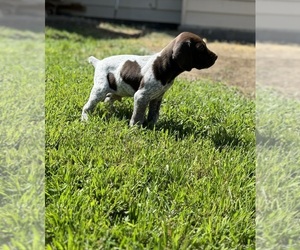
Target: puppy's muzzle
213, 57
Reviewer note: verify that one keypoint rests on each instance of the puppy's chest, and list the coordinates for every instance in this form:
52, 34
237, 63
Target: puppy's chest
157, 89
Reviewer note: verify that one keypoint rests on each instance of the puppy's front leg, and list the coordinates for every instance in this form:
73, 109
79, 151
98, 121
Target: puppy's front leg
140, 104
154, 107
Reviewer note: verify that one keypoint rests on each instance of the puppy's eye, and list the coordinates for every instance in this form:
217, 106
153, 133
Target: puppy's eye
200, 46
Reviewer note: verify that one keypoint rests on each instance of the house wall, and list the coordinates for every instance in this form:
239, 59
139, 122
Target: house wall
278, 14
226, 19
162, 11
221, 14
278, 20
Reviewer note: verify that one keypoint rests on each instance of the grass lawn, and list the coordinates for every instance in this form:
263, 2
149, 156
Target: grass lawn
22, 140
189, 183
278, 176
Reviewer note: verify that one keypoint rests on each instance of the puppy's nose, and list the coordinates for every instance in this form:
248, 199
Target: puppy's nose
214, 56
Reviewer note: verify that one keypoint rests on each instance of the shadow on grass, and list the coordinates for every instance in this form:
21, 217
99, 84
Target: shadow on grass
221, 139
121, 112
219, 135
94, 28
266, 141
90, 28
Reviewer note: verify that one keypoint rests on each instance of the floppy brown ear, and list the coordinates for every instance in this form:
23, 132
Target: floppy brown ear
182, 54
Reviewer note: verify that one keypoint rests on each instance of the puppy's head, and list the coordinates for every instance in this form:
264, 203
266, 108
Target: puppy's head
190, 51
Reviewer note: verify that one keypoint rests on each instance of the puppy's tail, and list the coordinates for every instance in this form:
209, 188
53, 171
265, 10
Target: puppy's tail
93, 60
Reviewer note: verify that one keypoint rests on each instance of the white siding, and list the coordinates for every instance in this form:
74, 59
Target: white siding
161, 11
227, 14
281, 15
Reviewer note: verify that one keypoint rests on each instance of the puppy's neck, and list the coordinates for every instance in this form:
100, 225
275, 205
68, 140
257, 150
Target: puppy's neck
165, 69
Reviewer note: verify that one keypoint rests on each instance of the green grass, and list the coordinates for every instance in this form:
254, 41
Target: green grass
278, 160
188, 183
21, 140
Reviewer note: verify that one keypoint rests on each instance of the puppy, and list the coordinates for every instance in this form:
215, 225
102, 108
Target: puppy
146, 78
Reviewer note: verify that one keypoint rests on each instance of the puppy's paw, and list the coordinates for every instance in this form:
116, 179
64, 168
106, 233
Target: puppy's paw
84, 117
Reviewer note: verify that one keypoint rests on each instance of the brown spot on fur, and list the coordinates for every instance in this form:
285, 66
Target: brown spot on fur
131, 74
112, 81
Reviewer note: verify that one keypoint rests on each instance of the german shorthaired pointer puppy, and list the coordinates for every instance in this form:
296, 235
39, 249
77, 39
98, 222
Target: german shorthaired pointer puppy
146, 78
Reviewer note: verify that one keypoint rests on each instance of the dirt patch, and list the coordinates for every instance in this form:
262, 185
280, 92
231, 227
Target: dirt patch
235, 66
278, 67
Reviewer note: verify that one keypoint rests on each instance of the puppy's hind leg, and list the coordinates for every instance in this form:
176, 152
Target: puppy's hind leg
97, 94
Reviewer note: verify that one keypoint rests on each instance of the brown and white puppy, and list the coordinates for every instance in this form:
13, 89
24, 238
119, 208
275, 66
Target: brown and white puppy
146, 78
